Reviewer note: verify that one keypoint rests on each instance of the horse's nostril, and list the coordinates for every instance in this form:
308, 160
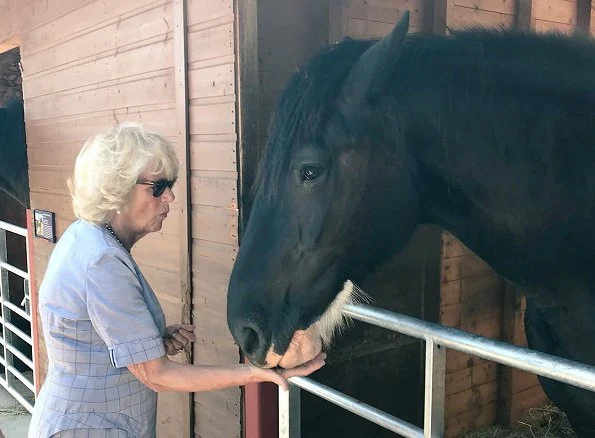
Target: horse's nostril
251, 340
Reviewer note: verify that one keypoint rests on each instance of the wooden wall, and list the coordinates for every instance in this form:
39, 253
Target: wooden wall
472, 297
87, 65
375, 18
560, 15
213, 180
487, 13
289, 33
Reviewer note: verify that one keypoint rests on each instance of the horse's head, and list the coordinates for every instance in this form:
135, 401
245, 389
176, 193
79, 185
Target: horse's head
334, 199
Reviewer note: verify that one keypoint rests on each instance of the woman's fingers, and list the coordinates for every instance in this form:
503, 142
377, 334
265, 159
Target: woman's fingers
304, 369
279, 376
276, 376
182, 337
183, 333
188, 334
187, 327
282, 382
170, 348
179, 339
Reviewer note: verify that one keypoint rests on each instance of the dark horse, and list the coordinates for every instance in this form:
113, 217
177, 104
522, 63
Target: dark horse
489, 134
14, 180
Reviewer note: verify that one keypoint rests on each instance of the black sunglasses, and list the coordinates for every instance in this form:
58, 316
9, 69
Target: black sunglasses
158, 186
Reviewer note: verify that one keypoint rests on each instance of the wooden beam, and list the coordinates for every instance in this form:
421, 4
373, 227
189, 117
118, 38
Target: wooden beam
525, 18
247, 102
35, 331
510, 319
183, 188
443, 17
9, 44
338, 21
583, 17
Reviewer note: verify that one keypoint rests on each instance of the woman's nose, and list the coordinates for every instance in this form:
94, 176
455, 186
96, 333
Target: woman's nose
168, 195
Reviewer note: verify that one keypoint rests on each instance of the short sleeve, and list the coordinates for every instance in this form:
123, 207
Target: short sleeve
119, 312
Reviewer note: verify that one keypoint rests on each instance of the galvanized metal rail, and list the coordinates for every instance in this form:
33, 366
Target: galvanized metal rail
437, 338
10, 376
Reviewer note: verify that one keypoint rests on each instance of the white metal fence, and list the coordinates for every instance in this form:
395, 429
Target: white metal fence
437, 338
17, 362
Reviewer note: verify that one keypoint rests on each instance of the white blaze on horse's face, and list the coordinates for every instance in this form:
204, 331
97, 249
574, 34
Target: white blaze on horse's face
306, 344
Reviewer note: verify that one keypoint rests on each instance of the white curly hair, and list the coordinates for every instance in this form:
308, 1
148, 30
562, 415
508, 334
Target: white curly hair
109, 165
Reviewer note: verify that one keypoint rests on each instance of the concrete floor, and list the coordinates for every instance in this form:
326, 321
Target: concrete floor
14, 418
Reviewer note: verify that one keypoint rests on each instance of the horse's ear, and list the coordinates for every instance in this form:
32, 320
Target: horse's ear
371, 72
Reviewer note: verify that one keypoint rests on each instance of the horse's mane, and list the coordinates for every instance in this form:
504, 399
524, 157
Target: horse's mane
303, 106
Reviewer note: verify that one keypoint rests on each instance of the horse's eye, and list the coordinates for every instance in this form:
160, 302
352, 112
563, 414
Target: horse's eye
310, 173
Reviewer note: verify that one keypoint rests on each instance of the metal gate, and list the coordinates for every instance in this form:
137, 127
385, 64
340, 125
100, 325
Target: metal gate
17, 362
437, 338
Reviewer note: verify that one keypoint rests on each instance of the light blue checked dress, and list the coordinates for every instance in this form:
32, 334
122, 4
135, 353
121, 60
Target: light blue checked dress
99, 315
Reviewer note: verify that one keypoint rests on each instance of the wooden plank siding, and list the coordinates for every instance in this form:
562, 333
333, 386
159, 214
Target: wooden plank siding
471, 299
375, 18
88, 65
289, 33
214, 216
555, 15
487, 13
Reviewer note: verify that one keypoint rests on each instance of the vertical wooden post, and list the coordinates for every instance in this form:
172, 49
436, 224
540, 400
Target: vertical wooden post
338, 26
443, 16
247, 106
518, 390
525, 18
35, 331
183, 187
583, 17
510, 309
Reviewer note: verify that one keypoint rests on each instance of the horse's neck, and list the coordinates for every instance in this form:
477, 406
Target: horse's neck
446, 205
530, 239
443, 204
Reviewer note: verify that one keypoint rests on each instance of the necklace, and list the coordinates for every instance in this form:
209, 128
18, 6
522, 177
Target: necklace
109, 228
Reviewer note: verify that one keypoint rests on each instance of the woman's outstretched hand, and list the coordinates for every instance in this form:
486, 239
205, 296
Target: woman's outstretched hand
280, 375
177, 336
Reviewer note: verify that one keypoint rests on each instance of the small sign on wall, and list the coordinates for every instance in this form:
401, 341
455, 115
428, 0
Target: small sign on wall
45, 225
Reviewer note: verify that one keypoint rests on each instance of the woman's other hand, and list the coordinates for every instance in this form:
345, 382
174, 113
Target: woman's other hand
177, 336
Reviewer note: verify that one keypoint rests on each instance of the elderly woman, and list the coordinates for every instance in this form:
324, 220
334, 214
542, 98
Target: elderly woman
104, 329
